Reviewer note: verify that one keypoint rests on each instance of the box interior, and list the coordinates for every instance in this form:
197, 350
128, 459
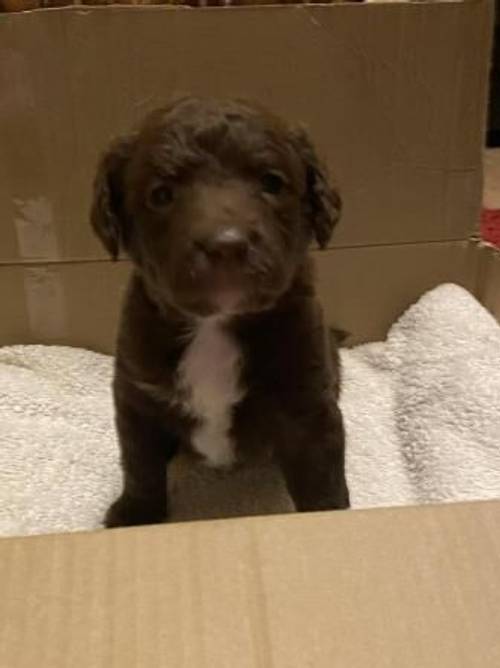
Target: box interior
404, 144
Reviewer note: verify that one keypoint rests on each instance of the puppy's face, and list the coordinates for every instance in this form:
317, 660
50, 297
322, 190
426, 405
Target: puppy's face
216, 203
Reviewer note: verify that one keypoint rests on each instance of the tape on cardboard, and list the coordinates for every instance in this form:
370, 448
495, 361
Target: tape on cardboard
35, 230
46, 304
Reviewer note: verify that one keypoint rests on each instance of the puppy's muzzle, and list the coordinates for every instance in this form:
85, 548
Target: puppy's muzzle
219, 266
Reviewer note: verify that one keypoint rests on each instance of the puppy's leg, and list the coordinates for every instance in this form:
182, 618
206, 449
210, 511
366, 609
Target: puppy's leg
311, 456
146, 446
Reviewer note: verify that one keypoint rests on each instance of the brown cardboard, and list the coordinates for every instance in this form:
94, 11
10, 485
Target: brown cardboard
397, 110
492, 286
488, 281
73, 304
361, 289
414, 587
364, 290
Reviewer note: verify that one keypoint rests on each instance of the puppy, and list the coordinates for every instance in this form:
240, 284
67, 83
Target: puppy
222, 350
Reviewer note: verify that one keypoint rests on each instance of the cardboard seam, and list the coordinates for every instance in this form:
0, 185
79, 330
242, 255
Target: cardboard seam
75, 260
259, 605
85, 10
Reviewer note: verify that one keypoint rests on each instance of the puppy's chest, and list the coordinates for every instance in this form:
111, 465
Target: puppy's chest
208, 379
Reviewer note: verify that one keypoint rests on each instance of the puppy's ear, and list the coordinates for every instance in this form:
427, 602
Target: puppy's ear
323, 203
107, 212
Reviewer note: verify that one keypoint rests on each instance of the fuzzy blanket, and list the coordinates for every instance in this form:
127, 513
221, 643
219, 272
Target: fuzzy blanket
422, 413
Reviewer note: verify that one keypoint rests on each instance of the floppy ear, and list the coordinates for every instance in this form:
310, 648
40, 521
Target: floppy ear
323, 203
107, 214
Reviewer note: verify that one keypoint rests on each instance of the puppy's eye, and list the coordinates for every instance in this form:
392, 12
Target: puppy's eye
272, 183
159, 196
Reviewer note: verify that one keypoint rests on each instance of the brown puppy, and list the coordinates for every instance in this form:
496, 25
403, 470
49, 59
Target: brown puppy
222, 348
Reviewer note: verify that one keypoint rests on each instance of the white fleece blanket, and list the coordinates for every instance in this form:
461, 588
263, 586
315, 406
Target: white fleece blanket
422, 412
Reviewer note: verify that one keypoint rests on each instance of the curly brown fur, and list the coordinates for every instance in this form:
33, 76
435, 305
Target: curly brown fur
222, 348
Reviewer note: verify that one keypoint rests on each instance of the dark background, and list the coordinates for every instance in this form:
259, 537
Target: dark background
494, 109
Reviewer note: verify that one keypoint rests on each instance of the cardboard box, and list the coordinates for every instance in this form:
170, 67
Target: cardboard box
412, 588
395, 95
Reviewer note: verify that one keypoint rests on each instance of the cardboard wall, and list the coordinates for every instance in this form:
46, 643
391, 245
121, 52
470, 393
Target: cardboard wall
397, 110
488, 278
415, 587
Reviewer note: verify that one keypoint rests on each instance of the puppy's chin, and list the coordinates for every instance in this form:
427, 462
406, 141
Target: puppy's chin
227, 300
226, 303
227, 290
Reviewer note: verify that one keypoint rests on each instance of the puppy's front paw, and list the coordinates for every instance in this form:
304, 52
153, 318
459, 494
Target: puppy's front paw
342, 497
128, 511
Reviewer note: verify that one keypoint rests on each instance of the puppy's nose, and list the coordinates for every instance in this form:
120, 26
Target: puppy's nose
227, 244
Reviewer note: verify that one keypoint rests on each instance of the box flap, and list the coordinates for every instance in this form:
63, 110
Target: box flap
397, 110
400, 587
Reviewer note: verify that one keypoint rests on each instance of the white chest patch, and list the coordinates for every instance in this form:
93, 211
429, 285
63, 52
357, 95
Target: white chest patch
209, 379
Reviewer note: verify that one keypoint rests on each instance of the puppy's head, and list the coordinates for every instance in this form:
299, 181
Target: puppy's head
216, 203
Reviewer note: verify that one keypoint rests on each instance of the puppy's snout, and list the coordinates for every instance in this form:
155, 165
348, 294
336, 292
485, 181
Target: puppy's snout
227, 245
